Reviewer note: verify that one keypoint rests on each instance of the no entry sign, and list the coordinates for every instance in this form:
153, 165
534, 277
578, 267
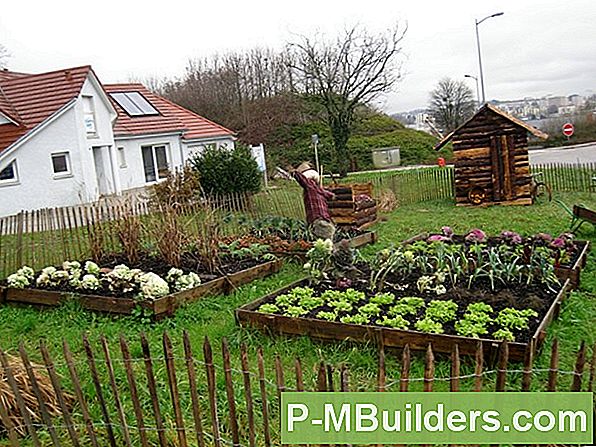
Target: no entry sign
568, 129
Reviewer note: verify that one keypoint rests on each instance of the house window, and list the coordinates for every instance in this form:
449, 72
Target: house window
155, 162
121, 158
61, 164
89, 115
9, 174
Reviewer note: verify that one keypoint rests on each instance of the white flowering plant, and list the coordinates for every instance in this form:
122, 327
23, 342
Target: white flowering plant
21, 278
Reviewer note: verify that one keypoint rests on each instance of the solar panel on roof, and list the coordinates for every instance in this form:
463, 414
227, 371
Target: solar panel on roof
134, 103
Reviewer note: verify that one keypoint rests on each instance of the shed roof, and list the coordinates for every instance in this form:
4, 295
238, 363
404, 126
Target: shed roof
488, 107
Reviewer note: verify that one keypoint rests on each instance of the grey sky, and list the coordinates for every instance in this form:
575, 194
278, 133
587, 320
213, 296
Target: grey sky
536, 48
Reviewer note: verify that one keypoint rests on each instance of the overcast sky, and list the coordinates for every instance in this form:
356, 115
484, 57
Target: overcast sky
536, 48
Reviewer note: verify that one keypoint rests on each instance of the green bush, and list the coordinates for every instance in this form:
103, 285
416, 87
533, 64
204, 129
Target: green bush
224, 171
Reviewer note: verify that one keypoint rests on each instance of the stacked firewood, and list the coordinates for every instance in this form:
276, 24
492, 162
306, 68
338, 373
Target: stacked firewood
353, 205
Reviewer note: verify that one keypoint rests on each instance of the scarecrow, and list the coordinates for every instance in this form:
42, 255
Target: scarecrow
315, 201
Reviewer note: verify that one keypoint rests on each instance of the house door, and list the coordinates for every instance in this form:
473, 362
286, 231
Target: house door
103, 170
502, 167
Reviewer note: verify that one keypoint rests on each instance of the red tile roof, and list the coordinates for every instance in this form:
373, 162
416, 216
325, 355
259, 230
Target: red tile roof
30, 99
171, 118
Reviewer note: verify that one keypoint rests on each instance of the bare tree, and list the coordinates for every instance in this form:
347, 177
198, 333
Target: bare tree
4, 55
451, 104
356, 68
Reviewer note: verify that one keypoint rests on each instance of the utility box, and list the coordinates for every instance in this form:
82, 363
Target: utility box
386, 157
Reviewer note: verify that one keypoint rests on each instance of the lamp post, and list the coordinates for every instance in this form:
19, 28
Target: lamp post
477, 90
478, 22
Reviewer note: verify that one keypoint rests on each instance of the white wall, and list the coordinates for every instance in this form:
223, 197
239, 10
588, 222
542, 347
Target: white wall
38, 186
191, 148
133, 175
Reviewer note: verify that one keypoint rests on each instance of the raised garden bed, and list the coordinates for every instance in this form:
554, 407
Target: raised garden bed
248, 315
281, 247
441, 292
158, 307
569, 269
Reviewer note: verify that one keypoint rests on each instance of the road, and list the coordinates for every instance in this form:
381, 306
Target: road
567, 155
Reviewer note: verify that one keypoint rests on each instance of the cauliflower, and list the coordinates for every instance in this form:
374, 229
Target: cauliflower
71, 265
152, 286
92, 268
18, 281
174, 274
89, 282
21, 278
185, 282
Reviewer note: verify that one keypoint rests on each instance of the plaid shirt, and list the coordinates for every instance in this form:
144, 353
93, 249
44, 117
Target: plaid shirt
315, 196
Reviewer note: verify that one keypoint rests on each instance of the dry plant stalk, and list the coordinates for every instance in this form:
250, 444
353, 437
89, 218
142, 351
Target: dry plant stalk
169, 235
387, 201
24, 385
95, 234
128, 229
207, 243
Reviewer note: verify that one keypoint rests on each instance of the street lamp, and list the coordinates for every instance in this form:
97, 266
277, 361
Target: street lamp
478, 22
477, 91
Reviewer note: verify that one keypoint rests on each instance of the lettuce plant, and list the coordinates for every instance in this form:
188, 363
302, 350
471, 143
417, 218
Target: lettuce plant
268, 308
441, 311
429, 325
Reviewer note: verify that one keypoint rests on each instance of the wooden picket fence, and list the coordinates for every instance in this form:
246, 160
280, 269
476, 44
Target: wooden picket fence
49, 236
133, 397
39, 238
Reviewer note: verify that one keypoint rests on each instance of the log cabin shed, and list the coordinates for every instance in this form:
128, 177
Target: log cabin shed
491, 159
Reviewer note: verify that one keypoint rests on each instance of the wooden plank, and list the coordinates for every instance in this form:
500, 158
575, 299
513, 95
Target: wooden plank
382, 374
248, 395
134, 393
528, 361
502, 367
553, 367
163, 442
76, 383
455, 369
229, 381
264, 404
592, 369
478, 367
192, 380
115, 392
212, 390
54, 379
404, 379
173, 387
98, 391
45, 415
476, 152
578, 371
429, 369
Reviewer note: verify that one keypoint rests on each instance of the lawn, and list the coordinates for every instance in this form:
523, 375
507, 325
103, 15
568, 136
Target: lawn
213, 317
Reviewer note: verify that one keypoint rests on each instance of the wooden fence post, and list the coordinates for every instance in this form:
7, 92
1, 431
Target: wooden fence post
194, 395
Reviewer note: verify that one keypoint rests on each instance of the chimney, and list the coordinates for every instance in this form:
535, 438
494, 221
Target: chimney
68, 75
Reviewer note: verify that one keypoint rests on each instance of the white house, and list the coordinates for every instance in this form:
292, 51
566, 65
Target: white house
66, 139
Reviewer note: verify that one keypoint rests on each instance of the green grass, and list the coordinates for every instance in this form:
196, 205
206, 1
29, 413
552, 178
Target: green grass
213, 317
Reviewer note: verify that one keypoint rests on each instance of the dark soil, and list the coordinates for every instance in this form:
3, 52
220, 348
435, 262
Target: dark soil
151, 263
573, 249
518, 297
